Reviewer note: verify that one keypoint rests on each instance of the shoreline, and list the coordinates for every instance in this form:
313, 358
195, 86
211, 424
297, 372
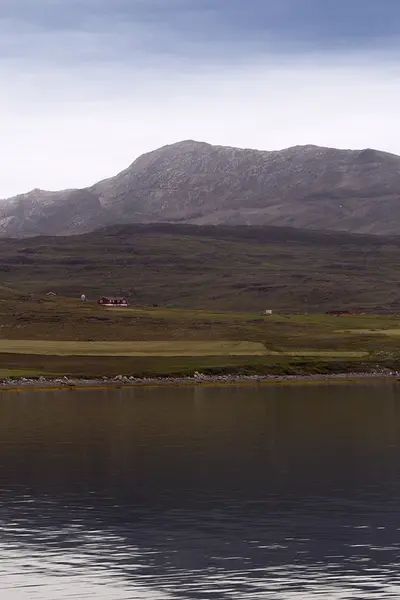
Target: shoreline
198, 379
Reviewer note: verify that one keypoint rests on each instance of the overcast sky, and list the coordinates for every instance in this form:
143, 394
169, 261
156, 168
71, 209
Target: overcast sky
89, 85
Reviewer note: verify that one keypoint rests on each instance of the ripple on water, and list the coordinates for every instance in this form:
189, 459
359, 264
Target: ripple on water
281, 494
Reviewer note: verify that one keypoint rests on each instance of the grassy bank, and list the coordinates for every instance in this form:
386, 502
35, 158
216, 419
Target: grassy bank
17, 365
66, 337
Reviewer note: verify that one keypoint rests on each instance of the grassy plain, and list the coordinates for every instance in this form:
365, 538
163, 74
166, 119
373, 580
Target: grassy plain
143, 348
60, 336
197, 300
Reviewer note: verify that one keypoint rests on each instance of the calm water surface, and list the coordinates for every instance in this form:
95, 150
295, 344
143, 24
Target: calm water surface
248, 493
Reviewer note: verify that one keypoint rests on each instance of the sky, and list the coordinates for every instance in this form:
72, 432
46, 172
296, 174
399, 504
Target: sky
86, 86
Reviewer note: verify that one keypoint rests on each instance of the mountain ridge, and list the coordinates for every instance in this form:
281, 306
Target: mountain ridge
198, 183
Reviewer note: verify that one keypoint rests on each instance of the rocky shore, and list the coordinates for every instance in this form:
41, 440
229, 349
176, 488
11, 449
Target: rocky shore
196, 379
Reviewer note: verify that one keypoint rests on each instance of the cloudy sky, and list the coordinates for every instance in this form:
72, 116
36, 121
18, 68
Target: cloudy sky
88, 85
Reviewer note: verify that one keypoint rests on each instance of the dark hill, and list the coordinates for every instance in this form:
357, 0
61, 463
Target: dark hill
228, 268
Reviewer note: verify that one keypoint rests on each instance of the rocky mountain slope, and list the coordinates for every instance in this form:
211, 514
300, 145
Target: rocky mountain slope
194, 182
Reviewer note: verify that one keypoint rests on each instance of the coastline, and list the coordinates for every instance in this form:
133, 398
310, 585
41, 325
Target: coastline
120, 381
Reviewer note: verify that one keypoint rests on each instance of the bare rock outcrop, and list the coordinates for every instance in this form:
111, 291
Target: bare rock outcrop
195, 182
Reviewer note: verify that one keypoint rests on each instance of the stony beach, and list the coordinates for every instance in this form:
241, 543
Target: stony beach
197, 378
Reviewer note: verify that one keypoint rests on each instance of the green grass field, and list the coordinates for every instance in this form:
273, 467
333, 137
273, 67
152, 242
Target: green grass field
142, 348
388, 332
197, 348
63, 336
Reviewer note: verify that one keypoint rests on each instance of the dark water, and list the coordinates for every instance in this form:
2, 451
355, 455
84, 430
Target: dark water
249, 493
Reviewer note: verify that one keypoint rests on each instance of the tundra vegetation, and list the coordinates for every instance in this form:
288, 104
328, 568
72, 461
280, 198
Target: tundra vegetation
197, 301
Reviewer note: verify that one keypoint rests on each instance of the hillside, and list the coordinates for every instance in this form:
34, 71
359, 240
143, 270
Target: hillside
197, 183
215, 268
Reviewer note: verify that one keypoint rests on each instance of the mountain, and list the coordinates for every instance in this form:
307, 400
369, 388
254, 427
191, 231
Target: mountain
197, 183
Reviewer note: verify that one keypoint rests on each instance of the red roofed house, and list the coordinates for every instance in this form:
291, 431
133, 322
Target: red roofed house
108, 301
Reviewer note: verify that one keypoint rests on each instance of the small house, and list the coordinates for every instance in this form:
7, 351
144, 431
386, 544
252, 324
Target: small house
116, 302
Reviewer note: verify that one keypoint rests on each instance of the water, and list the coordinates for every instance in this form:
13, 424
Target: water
246, 493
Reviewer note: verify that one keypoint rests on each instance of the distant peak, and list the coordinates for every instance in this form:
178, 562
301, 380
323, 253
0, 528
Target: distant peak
307, 148
304, 147
188, 144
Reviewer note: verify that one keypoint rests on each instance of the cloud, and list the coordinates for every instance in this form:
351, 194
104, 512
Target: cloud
88, 85
213, 29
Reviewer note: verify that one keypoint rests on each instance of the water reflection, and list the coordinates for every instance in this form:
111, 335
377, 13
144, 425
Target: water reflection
286, 492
